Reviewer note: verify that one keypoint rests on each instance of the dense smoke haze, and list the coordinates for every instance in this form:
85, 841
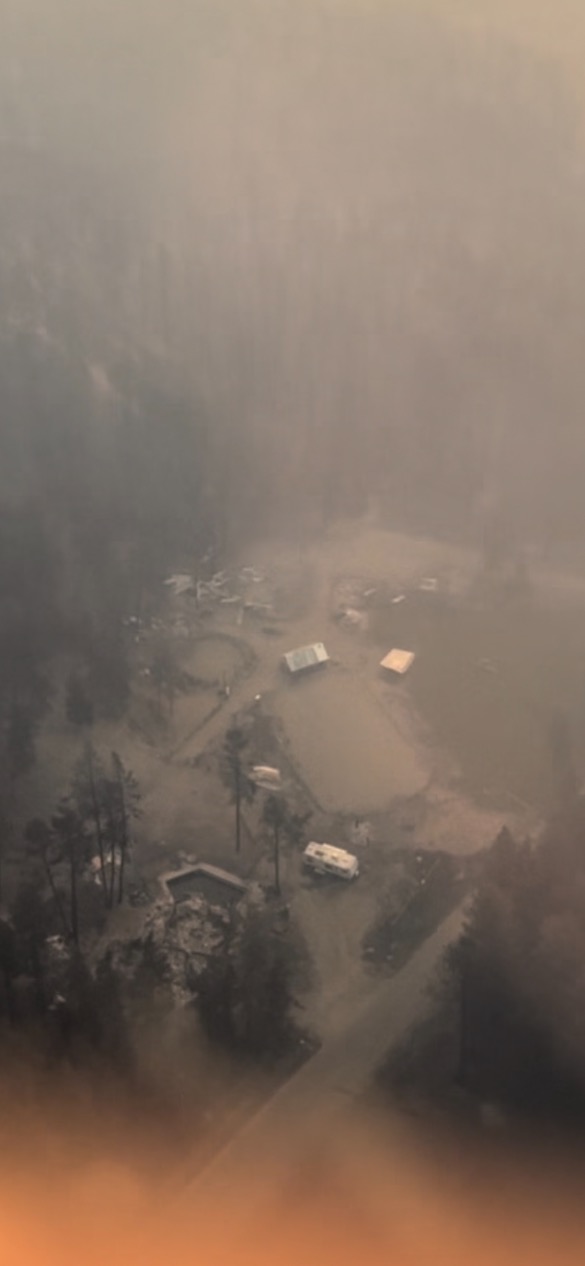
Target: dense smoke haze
351, 236
292, 624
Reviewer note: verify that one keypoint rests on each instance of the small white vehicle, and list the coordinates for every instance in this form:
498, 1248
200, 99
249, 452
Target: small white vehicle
325, 859
266, 777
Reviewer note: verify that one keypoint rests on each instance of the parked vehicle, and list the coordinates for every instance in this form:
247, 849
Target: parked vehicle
325, 859
266, 777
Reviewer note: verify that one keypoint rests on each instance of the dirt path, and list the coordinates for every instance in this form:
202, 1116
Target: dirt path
333, 924
327, 1085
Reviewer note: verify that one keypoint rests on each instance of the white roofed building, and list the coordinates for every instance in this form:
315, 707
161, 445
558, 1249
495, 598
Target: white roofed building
306, 658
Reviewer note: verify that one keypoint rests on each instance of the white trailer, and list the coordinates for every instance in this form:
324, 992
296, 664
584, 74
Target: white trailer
325, 859
267, 778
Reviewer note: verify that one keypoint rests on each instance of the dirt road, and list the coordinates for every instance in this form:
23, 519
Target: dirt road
326, 1086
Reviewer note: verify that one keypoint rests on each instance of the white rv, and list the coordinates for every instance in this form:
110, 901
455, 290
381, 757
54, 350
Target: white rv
267, 778
325, 859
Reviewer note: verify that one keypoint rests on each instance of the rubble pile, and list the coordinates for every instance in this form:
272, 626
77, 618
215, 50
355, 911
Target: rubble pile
353, 620
181, 938
248, 591
351, 598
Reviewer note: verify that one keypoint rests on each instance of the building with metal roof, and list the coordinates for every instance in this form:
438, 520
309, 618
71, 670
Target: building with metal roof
398, 662
306, 658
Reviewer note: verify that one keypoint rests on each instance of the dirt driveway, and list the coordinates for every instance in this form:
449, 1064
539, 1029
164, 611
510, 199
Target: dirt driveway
327, 1085
334, 917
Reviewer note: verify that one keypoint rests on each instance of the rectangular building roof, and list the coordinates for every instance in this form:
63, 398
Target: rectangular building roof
306, 657
397, 661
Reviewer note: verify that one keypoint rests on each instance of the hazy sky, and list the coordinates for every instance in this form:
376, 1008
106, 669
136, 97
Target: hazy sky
368, 206
148, 50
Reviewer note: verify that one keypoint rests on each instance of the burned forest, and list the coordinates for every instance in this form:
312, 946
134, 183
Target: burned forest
292, 571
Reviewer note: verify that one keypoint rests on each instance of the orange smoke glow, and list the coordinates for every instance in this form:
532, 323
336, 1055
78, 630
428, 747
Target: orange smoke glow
340, 1197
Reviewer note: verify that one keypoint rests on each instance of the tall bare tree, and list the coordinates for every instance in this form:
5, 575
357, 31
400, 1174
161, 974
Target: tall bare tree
69, 829
107, 801
88, 793
280, 820
126, 810
39, 838
235, 777
165, 676
5, 830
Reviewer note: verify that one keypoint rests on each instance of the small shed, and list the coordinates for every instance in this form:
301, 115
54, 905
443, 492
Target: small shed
306, 658
397, 662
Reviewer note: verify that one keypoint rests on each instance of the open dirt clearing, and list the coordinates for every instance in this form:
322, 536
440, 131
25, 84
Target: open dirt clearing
216, 660
490, 684
346, 746
354, 739
489, 728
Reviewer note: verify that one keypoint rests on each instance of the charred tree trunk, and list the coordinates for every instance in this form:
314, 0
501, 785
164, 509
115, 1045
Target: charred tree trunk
238, 800
9, 996
277, 860
463, 1065
113, 833
74, 904
123, 837
56, 897
97, 817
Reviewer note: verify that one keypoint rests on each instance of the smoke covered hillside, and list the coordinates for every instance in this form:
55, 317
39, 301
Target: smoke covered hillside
347, 243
